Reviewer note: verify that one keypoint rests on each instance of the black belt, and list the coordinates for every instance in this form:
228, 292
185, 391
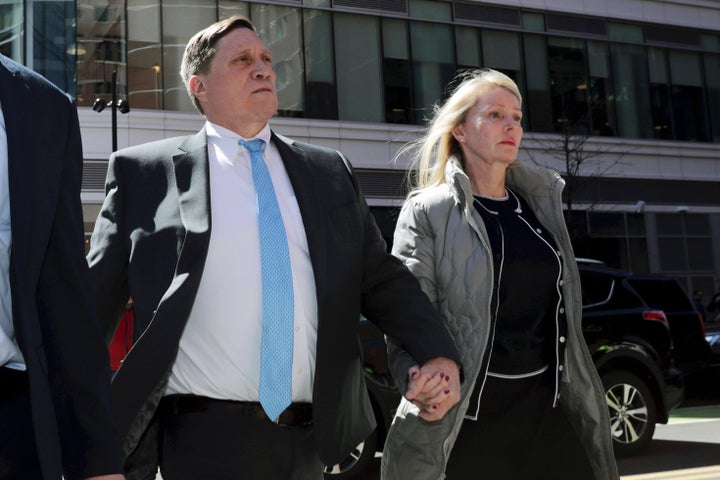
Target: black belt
297, 414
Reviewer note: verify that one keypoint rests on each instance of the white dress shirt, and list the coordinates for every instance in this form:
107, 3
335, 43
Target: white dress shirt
10, 355
219, 355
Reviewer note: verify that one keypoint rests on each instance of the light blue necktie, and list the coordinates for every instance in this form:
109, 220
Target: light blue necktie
278, 313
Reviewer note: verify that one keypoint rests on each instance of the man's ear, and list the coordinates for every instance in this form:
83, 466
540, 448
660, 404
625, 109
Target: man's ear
197, 87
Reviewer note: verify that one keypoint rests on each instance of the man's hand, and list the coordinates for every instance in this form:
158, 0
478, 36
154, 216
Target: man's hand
434, 388
108, 477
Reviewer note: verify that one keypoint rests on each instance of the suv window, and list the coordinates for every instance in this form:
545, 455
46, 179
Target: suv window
600, 288
665, 295
596, 289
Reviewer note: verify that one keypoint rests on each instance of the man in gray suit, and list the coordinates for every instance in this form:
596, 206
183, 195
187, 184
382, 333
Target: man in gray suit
182, 232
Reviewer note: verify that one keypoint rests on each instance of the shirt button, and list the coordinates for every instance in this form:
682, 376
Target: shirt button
560, 368
561, 282
562, 309
299, 371
562, 339
538, 230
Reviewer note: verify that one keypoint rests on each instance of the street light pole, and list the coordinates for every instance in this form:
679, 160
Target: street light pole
99, 105
113, 105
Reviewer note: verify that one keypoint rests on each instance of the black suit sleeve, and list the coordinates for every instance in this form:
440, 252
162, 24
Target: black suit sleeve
77, 360
108, 255
392, 297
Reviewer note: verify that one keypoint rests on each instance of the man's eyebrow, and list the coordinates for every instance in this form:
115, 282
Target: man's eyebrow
250, 51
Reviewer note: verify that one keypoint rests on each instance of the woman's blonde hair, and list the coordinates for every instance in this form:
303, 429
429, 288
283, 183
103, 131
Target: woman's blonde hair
432, 151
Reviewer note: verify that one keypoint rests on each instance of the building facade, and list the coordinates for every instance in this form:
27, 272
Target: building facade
620, 96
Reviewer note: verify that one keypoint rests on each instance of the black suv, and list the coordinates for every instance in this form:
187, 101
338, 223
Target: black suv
691, 350
630, 323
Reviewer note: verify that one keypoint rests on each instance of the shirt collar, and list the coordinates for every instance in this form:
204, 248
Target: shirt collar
217, 133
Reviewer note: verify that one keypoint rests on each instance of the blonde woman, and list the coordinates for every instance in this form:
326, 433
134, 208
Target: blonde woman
485, 235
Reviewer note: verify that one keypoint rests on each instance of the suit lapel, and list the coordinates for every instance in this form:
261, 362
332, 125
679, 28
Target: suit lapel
193, 184
307, 192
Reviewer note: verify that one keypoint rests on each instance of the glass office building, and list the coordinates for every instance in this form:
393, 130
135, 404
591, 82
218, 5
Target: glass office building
623, 96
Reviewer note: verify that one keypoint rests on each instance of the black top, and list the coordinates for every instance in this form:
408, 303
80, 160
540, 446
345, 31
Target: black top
526, 294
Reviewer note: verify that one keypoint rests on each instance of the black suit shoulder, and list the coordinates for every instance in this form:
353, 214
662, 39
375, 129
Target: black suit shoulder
30, 83
322, 160
313, 151
153, 150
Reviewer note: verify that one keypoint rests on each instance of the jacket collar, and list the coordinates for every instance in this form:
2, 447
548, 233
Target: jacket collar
528, 179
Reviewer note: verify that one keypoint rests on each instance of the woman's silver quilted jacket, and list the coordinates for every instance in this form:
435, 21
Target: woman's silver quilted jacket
442, 240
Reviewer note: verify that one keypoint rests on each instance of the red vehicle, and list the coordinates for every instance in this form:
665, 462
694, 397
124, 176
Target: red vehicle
123, 340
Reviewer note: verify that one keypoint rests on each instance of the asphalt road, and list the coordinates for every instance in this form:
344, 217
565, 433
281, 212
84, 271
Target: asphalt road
688, 447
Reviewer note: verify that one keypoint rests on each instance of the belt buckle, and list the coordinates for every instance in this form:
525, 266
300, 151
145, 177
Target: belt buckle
276, 420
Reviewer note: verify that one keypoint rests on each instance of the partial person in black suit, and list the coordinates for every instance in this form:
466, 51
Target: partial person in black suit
178, 232
55, 415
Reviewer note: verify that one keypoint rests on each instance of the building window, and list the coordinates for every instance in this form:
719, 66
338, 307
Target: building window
684, 242
144, 56
430, 9
616, 238
630, 91
358, 62
467, 43
53, 37
580, 88
659, 93
622, 32
685, 249
102, 46
602, 113
11, 38
688, 105
180, 21
397, 74
281, 30
321, 95
502, 51
567, 59
228, 8
712, 80
432, 66
539, 116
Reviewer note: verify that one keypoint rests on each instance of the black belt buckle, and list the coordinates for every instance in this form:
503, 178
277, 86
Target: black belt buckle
296, 415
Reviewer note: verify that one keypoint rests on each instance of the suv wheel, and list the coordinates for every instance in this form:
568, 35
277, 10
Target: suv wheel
356, 463
632, 411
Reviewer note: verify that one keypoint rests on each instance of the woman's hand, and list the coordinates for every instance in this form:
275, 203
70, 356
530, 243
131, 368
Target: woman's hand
434, 388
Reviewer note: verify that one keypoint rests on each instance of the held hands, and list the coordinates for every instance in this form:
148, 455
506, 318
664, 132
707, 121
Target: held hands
434, 388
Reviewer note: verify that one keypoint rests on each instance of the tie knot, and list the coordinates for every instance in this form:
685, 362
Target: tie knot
254, 146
